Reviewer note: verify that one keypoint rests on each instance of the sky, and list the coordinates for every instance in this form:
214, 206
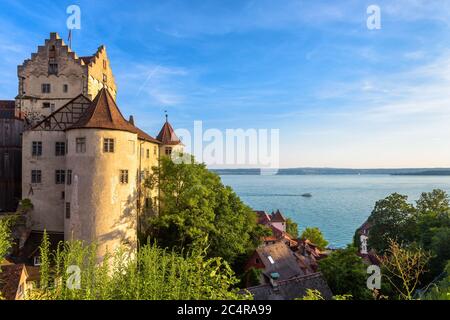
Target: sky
340, 94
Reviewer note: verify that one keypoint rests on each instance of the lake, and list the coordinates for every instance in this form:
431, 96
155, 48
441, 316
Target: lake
339, 203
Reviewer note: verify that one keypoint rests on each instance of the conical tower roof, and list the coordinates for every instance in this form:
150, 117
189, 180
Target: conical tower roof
167, 135
105, 114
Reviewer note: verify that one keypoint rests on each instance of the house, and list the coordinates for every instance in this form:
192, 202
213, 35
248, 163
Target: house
292, 288
29, 279
9, 280
277, 262
274, 220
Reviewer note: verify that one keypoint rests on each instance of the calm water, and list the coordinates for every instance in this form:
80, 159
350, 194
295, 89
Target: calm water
339, 203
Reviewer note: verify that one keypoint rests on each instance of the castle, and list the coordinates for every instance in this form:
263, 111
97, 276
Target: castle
83, 164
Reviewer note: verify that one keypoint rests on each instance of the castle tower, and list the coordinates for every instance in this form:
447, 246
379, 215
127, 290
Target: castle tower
170, 143
55, 74
93, 190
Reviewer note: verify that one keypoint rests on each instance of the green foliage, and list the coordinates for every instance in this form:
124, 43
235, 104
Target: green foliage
151, 273
5, 235
315, 236
292, 227
392, 218
314, 294
441, 290
252, 277
194, 205
345, 273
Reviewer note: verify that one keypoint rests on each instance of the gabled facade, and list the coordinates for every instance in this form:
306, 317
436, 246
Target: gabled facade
55, 74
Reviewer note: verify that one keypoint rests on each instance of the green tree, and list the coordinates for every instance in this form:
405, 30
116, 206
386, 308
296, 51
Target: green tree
292, 227
194, 204
345, 273
392, 218
315, 236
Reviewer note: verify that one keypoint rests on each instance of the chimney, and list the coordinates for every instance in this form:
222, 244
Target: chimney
274, 276
131, 120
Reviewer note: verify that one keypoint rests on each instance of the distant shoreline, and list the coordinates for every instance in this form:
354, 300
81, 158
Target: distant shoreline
338, 171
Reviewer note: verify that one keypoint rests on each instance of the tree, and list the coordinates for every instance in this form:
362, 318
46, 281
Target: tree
292, 227
315, 236
403, 267
392, 218
194, 205
5, 237
345, 273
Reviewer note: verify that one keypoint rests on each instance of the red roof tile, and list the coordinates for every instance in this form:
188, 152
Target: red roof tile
105, 114
167, 135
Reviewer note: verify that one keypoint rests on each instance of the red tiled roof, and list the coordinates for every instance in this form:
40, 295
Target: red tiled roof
277, 217
9, 280
105, 114
87, 59
167, 135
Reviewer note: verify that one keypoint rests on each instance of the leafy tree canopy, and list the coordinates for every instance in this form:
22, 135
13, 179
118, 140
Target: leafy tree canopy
194, 204
315, 236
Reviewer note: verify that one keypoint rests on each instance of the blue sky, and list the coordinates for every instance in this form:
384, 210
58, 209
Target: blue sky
341, 95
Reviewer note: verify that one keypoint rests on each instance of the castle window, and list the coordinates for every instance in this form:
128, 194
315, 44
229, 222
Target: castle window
154, 150
148, 153
148, 203
46, 105
108, 145
46, 88
63, 195
168, 151
60, 177
36, 149
123, 176
36, 176
104, 64
36, 261
69, 177
60, 148
52, 52
80, 145
105, 78
65, 88
52, 68
67, 210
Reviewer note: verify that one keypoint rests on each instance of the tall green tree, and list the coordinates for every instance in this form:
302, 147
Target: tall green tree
315, 236
392, 218
194, 204
292, 227
345, 273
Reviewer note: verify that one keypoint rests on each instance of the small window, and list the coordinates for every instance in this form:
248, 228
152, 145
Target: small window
148, 153
69, 177
46, 88
154, 150
46, 105
148, 203
60, 149
80, 145
67, 210
257, 261
105, 78
104, 64
36, 149
108, 145
271, 259
36, 261
63, 195
168, 151
65, 88
52, 52
123, 176
60, 177
36, 176
52, 68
